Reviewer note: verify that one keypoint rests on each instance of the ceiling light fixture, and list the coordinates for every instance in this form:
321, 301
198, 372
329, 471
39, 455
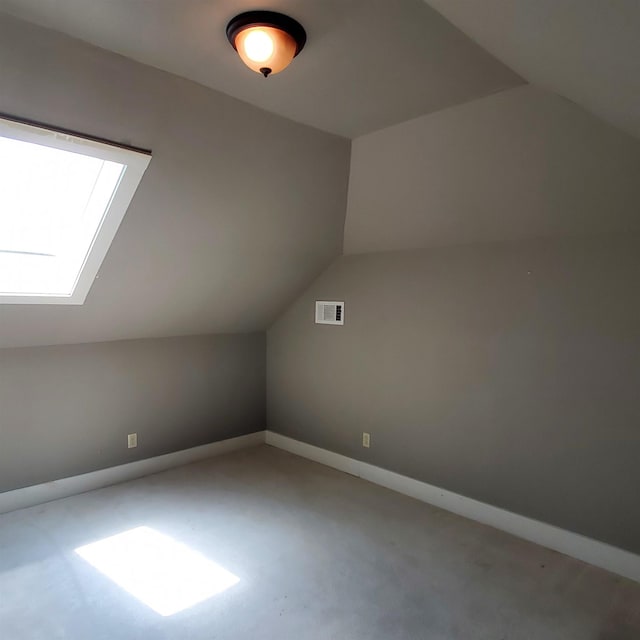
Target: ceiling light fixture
266, 41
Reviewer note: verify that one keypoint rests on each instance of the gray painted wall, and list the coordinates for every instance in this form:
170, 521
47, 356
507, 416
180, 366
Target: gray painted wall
67, 410
239, 209
504, 372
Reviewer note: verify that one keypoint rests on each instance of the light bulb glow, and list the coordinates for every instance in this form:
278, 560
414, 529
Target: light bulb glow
264, 47
258, 45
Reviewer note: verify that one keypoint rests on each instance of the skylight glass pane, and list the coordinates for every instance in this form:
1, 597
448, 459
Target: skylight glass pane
52, 204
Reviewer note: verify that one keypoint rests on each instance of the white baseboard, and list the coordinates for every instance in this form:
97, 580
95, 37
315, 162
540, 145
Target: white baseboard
572, 544
48, 491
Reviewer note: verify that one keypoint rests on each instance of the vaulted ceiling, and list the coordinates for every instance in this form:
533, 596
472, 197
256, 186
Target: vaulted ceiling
586, 50
238, 209
523, 163
367, 64
243, 204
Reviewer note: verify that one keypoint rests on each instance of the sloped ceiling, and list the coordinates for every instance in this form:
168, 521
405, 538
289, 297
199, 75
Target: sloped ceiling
238, 210
585, 50
523, 163
367, 64
241, 209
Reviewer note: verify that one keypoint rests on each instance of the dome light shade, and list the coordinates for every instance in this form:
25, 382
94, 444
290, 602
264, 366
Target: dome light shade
266, 41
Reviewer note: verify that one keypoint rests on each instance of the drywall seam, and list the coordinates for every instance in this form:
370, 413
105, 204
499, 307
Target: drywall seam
597, 553
48, 491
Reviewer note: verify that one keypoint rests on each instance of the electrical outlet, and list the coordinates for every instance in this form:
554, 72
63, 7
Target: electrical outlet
132, 440
366, 440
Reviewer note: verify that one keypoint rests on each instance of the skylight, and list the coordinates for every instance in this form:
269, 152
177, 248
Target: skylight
62, 198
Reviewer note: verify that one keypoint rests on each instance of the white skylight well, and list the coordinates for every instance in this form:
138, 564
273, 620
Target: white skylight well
62, 198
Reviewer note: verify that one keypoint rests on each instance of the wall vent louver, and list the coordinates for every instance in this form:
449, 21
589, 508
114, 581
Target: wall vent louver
329, 312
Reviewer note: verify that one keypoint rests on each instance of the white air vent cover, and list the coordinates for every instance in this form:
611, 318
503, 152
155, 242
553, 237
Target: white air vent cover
329, 312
